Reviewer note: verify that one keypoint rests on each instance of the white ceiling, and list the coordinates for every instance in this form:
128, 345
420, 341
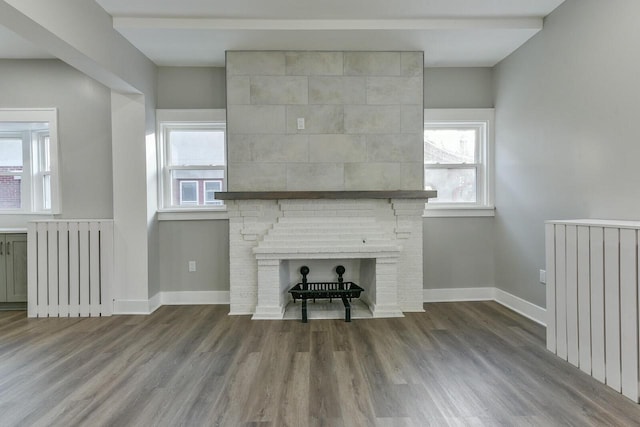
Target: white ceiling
198, 32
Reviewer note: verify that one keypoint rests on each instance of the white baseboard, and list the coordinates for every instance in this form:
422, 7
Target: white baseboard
130, 306
525, 308
194, 297
144, 306
512, 302
459, 294
517, 304
154, 303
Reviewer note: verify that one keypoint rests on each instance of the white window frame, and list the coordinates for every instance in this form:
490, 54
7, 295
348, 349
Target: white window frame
40, 170
32, 192
186, 119
474, 118
204, 189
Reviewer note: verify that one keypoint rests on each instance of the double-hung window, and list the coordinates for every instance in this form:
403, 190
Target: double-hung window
28, 161
457, 160
192, 162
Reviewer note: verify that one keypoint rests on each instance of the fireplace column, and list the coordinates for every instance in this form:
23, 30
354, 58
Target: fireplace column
271, 303
408, 230
249, 220
384, 299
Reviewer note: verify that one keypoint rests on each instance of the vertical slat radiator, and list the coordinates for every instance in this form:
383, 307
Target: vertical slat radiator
593, 299
70, 268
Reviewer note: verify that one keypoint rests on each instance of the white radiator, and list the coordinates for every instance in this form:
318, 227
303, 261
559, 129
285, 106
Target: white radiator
70, 268
592, 299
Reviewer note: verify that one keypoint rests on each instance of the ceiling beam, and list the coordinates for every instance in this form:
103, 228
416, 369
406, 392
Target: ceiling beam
93, 48
125, 22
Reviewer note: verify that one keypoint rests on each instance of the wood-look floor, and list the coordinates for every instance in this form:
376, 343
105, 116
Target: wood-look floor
456, 364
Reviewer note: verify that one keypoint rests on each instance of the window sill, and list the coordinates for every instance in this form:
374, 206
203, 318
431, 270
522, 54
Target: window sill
28, 213
192, 215
459, 212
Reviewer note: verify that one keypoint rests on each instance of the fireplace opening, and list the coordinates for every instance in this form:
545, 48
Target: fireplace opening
360, 271
340, 289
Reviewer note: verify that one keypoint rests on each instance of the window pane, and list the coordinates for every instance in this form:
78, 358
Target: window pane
210, 189
10, 191
11, 167
196, 147
46, 192
204, 183
453, 185
45, 160
450, 146
11, 154
188, 192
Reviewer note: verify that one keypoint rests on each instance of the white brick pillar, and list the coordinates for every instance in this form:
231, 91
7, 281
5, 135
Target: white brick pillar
408, 215
270, 303
384, 301
248, 221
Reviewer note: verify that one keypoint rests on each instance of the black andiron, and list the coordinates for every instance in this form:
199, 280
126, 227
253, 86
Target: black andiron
312, 290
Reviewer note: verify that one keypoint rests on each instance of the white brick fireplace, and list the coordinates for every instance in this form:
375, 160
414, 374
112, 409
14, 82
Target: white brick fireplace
325, 162
383, 234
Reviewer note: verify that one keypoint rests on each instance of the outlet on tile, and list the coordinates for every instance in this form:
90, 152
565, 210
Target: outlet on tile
192, 266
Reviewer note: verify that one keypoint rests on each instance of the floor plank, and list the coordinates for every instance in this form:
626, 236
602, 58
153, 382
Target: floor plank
457, 364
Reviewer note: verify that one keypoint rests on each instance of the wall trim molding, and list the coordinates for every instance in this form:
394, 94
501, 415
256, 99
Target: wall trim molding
170, 298
512, 302
194, 297
154, 303
133, 306
523, 307
459, 294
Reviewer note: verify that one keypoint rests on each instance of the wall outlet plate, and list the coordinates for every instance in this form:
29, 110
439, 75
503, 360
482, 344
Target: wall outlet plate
192, 266
543, 276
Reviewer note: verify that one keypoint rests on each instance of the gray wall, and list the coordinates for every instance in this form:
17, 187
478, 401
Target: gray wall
567, 140
203, 241
458, 252
206, 243
84, 127
191, 87
458, 87
363, 113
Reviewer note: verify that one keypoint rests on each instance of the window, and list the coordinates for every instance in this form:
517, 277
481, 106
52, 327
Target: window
188, 192
457, 154
28, 178
210, 189
192, 160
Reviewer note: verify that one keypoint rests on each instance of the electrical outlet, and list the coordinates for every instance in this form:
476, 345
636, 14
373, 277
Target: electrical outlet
543, 276
300, 123
192, 266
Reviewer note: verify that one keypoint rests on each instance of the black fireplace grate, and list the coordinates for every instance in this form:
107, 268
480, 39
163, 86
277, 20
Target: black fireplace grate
325, 290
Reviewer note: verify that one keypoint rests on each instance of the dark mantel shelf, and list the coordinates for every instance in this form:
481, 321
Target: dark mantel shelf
280, 195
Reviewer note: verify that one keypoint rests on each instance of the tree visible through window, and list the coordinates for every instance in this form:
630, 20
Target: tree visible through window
456, 147
451, 163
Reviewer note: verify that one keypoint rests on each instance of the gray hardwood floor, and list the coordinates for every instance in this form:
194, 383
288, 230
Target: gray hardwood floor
456, 364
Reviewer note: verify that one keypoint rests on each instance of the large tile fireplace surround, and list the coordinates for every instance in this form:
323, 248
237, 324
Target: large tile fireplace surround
379, 231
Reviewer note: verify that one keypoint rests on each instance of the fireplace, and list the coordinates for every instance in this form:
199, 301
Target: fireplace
381, 230
325, 164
